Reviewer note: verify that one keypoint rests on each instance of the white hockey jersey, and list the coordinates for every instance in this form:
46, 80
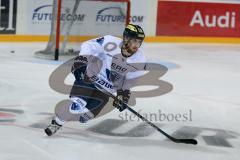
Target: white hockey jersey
108, 67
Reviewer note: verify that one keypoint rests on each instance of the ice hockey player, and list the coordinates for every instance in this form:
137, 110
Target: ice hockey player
112, 63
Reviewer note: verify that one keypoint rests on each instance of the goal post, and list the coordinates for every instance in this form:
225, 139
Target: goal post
75, 20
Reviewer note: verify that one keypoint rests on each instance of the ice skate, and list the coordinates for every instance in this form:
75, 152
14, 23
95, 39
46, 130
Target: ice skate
52, 128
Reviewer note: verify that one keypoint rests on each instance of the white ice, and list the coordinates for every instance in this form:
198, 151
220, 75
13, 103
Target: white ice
206, 81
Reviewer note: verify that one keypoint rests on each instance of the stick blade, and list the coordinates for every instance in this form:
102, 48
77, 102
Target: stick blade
187, 141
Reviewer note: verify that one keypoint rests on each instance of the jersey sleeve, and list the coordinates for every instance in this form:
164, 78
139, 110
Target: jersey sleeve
92, 50
92, 47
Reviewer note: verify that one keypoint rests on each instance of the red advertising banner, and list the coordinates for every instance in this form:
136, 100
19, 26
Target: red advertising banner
198, 19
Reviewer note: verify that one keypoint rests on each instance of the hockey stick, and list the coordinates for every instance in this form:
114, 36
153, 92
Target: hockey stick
176, 140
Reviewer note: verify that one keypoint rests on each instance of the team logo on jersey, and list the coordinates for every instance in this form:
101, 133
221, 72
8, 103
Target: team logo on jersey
100, 40
112, 76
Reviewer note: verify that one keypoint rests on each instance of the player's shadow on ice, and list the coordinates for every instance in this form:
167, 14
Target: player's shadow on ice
92, 137
101, 134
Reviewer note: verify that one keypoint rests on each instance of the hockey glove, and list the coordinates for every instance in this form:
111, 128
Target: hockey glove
122, 97
79, 67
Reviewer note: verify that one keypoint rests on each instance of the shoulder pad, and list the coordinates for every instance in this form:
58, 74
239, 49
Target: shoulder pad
100, 40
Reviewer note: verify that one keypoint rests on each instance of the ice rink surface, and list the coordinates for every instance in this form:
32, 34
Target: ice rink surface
206, 81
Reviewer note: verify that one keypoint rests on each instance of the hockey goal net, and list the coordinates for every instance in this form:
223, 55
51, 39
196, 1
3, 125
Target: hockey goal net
74, 21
